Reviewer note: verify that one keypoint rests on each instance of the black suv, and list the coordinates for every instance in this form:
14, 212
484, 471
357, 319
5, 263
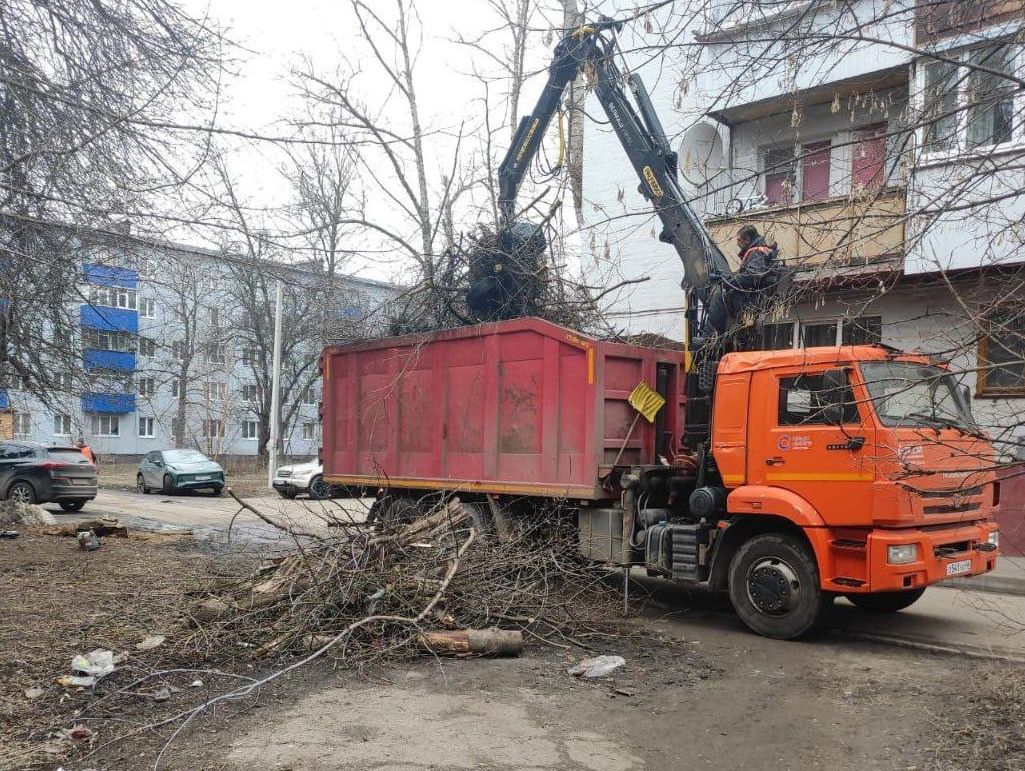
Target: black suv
33, 473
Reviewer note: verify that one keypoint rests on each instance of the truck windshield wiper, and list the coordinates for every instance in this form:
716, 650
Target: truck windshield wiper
936, 420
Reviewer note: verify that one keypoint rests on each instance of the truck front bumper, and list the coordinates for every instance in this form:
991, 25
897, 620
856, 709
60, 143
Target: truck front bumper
939, 554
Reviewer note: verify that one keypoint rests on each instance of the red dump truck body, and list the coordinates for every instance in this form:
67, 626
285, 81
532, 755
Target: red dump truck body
520, 407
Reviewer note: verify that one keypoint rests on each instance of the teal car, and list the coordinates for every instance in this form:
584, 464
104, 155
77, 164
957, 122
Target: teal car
170, 471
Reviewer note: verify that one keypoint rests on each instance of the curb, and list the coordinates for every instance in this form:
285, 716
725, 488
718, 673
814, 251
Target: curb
966, 651
992, 583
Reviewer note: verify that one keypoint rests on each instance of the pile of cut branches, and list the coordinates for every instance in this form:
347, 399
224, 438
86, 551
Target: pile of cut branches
373, 590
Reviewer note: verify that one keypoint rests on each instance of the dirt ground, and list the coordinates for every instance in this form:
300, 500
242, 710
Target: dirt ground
688, 698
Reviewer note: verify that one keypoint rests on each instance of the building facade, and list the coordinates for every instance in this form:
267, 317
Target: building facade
174, 348
880, 149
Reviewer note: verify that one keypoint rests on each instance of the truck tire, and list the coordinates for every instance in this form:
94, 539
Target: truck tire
774, 586
886, 602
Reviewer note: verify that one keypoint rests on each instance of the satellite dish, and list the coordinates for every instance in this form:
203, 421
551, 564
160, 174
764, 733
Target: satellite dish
701, 154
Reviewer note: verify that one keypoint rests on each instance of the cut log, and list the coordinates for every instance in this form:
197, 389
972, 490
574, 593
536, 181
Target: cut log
474, 642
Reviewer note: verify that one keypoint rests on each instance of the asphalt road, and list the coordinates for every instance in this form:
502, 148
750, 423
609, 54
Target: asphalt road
969, 622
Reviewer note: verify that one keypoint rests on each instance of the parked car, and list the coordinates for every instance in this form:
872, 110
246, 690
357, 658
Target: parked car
298, 478
170, 471
34, 473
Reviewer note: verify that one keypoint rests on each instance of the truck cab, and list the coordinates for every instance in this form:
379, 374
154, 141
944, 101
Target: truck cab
859, 460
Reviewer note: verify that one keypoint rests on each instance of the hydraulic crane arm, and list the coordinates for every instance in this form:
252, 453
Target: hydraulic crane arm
640, 133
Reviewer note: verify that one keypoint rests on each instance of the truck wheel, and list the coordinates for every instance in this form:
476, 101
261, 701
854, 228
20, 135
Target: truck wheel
774, 586
394, 511
886, 602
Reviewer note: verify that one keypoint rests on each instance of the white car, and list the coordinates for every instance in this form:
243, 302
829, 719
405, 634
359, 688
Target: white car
307, 478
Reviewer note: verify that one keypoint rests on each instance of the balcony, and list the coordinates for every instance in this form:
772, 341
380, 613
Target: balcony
856, 234
94, 358
110, 319
108, 404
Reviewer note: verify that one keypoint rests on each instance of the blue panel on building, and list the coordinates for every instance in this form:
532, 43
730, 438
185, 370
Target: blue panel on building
5, 400
108, 275
111, 404
94, 359
111, 319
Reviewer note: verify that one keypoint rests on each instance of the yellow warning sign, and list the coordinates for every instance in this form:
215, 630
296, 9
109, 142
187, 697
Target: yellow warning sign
646, 401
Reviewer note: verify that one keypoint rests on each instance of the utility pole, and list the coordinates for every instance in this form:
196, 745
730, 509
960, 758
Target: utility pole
275, 392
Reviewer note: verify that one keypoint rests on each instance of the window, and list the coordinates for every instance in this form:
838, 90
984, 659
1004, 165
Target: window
176, 388
250, 392
16, 382
215, 317
979, 89
868, 164
216, 392
940, 106
146, 428
309, 396
250, 429
815, 171
22, 423
1002, 355
61, 424
179, 350
817, 335
250, 357
778, 337
213, 429
147, 386
105, 425
311, 430
779, 175
177, 430
803, 399
990, 96
113, 297
216, 353
867, 330
147, 307
64, 381
106, 340
147, 346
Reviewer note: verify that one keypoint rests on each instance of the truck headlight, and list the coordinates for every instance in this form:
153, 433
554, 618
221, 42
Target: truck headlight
902, 555
994, 538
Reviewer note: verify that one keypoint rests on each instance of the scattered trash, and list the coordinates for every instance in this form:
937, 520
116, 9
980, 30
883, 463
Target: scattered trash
196, 684
105, 527
623, 691
9, 534
77, 733
96, 664
599, 666
151, 641
162, 694
87, 540
33, 693
71, 681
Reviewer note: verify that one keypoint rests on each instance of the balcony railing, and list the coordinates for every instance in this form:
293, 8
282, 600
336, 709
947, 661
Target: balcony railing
847, 232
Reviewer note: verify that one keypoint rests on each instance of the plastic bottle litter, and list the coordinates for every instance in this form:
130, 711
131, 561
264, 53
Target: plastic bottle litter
599, 666
149, 642
9, 534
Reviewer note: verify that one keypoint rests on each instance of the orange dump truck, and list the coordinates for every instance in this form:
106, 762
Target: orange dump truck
819, 472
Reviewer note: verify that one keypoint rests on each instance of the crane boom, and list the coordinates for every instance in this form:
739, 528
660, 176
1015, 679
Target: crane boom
639, 131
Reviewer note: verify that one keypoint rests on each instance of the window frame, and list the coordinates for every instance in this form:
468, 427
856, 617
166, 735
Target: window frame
147, 308
247, 424
962, 109
210, 423
152, 433
63, 418
982, 390
96, 425
846, 406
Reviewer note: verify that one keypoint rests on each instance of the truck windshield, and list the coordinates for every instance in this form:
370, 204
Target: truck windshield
915, 395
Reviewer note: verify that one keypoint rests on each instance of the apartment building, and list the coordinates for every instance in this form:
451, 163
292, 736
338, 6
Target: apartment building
879, 144
174, 349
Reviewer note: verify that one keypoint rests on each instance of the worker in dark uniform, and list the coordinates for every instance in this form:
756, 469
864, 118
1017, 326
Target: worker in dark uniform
734, 294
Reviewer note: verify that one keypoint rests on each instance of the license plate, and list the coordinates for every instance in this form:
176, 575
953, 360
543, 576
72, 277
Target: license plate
81, 481
959, 567
202, 479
